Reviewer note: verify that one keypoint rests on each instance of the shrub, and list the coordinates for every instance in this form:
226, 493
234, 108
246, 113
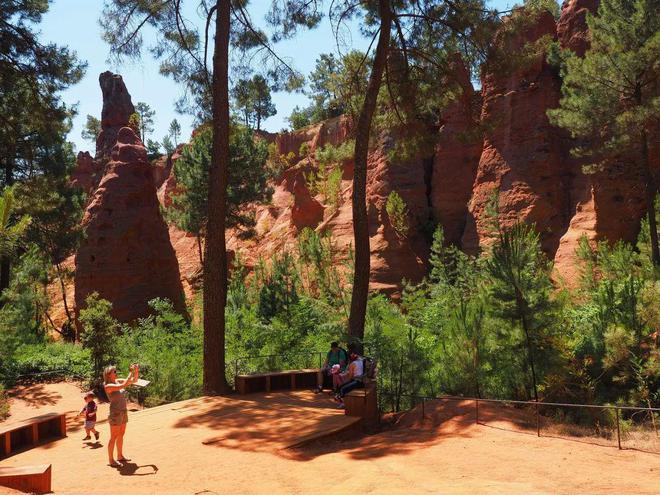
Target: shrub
169, 351
100, 330
52, 356
397, 213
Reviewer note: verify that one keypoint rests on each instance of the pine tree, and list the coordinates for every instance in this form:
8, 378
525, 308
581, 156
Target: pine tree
521, 287
146, 119
252, 99
57, 235
247, 184
174, 132
185, 52
35, 120
92, 129
611, 97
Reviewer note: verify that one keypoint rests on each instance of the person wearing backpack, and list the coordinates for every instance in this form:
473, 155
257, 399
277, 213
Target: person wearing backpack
336, 357
351, 379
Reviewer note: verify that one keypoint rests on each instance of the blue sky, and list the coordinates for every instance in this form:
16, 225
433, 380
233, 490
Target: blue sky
75, 23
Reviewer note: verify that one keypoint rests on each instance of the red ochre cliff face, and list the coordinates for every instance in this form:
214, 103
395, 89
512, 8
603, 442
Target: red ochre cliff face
494, 147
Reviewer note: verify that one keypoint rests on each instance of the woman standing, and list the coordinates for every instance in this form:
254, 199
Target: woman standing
118, 416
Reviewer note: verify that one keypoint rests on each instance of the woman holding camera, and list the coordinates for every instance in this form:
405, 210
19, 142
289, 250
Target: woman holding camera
115, 389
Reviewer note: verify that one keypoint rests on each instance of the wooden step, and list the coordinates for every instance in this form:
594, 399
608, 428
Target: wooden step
31, 479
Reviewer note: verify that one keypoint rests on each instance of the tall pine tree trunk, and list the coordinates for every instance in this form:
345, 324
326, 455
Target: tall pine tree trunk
215, 256
522, 311
360, 220
651, 191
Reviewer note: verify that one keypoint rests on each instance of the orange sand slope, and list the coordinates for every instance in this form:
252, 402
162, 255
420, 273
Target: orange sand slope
235, 445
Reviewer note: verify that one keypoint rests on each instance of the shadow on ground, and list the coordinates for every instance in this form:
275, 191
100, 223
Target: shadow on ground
35, 395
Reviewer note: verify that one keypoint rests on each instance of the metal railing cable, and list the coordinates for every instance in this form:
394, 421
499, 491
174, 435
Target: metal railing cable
422, 399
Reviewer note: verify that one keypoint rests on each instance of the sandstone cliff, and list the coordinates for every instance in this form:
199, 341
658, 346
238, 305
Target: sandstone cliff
494, 147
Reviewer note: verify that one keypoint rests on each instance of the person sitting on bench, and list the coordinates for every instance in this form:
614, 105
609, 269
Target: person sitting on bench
336, 356
351, 379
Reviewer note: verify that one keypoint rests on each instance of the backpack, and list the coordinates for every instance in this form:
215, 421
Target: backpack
369, 369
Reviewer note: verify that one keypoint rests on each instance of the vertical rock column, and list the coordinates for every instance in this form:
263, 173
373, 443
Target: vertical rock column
521, 160
126, 255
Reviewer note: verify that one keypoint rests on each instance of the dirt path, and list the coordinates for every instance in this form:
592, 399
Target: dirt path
443, 456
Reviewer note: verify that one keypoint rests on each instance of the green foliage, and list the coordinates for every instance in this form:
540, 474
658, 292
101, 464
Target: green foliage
35, 120
299, 118
11, 230
56, 211
153, 149
169, 351
320, 272
278, 163
330, 154
145, 120
610, 97
248, 177
91, 129
336, 87
99, 333
24, 302
252, 101
168, 145
47, 356
520, 288
397, 212
609, 93
174, 132
277, 282
326, 179
614, 324
134, 122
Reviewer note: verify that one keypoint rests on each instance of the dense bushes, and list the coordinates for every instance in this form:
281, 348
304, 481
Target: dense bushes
492, 326
52, 356
169, 350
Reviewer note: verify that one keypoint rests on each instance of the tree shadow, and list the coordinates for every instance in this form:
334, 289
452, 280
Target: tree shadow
35, 395
273, 422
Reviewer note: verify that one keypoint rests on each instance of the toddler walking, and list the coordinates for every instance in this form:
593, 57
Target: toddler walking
90, 416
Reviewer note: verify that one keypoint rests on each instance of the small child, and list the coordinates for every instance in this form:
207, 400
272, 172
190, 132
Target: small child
90, 416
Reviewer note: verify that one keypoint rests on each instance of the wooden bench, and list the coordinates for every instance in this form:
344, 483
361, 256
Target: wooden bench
14, 436
31, 479
362, 402
278, 380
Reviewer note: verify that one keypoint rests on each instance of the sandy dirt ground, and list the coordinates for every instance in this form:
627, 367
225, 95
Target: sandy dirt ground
238, 445
26, 401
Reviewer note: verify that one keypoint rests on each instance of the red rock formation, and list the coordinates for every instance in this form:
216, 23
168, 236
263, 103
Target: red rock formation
87, 173
126, 255
572, 30
604, 206
394, 258
521, 160
456, 158
116, 112
306, 210
332, 131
